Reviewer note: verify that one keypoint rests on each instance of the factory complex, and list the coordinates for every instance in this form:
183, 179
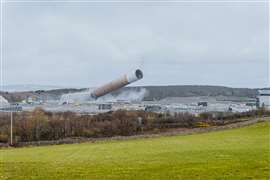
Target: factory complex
101, 100
194, 105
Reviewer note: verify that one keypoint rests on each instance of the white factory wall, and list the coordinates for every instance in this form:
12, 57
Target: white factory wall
264, 98
264, 101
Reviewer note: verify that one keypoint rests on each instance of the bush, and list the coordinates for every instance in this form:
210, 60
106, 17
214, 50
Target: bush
41, 125
201, 124
4, 138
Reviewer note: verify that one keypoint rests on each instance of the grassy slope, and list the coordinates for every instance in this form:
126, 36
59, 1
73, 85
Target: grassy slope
232, 154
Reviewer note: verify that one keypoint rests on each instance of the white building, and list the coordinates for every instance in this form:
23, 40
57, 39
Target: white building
264, 98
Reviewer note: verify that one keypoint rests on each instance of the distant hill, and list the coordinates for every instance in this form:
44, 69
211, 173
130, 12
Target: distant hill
160, 92
40, 94
28, 87
184, 91
153, 92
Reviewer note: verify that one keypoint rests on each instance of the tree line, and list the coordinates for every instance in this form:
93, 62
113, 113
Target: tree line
40, 125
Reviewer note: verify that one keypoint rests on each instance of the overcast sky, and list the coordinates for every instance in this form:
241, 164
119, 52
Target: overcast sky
85, 45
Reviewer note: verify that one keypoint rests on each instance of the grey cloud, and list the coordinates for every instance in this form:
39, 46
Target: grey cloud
87, 46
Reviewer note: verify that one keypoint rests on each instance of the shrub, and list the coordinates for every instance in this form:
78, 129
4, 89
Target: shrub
41, 125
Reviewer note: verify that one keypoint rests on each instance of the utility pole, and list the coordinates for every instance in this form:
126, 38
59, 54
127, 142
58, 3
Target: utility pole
11, 128
11, 109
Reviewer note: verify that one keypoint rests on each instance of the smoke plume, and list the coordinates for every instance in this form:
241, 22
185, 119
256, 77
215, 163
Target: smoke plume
84, 97
126, 95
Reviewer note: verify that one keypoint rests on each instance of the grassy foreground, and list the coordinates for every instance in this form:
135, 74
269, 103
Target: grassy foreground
242, 153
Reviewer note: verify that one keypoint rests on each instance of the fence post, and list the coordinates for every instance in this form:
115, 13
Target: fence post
11, 128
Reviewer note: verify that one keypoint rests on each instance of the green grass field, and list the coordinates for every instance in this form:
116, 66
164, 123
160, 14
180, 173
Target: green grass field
242, 153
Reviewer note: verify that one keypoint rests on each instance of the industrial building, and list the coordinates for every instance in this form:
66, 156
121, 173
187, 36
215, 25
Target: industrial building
153, 108
105, 106
264, 98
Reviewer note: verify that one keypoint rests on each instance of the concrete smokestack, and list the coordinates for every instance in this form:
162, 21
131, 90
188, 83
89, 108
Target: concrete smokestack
117, 84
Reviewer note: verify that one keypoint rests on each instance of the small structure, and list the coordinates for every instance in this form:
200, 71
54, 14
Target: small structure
32, 100
152, 108
105, 106
251, 104
204, 104
264, 98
